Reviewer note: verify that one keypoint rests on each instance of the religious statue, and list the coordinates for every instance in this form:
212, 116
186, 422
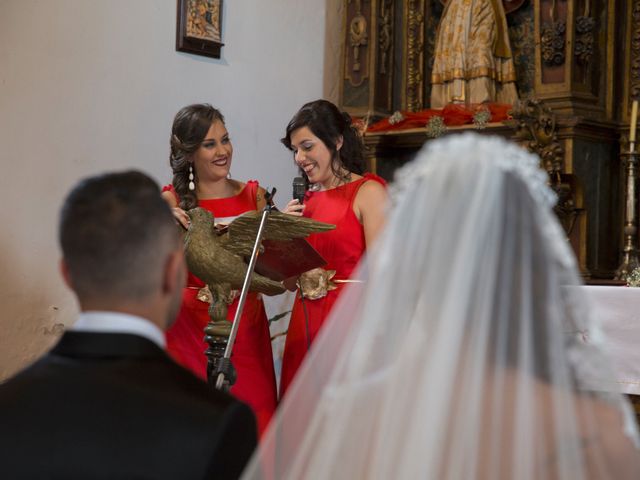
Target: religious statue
472, 59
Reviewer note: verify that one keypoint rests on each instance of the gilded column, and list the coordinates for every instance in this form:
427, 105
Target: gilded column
413, 65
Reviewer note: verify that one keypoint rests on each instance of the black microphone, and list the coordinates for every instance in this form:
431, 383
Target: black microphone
299, 188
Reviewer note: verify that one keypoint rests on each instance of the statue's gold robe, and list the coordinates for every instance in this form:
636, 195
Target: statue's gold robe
472, 60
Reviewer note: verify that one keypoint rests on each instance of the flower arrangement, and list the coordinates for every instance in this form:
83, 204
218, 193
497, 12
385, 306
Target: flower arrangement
633, 279
436, 127
396, 118
481, 118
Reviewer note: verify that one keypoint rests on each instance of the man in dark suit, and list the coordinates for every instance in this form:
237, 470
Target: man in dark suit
107, 402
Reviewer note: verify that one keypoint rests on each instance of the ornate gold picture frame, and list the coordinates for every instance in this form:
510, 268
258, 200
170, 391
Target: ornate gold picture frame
199, 27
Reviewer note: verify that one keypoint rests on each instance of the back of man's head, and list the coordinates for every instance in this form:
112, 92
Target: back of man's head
116, 233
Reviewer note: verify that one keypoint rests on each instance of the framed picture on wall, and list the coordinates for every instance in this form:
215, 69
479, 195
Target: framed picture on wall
199, 26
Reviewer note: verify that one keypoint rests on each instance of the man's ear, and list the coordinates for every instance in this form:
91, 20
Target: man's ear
66, 275
175, 272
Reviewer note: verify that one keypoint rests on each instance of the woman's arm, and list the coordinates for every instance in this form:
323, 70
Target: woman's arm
369, 206
180, 215
170, 198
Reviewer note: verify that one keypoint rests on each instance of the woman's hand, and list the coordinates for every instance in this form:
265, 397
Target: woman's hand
294, 207
181, 217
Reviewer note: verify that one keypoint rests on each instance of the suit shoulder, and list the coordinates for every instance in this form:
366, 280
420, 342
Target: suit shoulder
197, 388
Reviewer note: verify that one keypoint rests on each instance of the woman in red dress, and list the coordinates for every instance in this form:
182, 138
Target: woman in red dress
328, 150
201, 153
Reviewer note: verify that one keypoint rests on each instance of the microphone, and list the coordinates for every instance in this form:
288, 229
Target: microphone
299, 188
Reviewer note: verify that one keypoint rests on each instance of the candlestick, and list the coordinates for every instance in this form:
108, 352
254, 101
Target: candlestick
634, 121
630, 260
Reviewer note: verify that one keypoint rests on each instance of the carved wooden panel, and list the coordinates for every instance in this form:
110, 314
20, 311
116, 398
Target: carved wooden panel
414, 55
369, 50
357, 42
384, 67
552, 17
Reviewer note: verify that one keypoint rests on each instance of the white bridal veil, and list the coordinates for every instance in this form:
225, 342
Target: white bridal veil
466, 353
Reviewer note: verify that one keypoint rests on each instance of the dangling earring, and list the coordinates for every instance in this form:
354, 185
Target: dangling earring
192, 186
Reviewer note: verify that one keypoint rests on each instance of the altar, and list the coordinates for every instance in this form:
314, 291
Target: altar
618, 311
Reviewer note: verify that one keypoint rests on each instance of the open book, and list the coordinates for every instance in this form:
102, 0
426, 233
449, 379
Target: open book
282, 259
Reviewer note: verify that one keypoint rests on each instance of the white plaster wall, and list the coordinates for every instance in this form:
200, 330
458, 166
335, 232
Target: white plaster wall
92, 85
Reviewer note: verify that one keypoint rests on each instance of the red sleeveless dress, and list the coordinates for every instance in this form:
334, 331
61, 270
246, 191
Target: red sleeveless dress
342, 249
252, 356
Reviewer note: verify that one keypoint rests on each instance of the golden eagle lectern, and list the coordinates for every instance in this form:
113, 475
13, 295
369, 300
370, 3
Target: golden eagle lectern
218, 256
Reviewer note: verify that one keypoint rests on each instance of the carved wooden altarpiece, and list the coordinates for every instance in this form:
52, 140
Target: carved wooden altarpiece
578, 68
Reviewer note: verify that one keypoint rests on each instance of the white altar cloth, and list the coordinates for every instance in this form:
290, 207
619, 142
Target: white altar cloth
618, 312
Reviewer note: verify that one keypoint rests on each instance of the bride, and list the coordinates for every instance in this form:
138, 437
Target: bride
467, 352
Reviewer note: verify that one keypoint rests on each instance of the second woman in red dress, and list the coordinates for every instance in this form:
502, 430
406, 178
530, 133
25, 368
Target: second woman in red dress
328, 150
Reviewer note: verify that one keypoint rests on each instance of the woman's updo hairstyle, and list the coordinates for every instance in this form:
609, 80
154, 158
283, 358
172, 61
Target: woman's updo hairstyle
328, 123
190, 127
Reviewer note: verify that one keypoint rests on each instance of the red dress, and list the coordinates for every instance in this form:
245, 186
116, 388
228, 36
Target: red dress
252, 356
342, 249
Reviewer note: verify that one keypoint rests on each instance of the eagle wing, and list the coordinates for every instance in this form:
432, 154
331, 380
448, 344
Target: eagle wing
280, 226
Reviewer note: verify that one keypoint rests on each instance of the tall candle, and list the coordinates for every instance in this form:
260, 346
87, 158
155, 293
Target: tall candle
634, 121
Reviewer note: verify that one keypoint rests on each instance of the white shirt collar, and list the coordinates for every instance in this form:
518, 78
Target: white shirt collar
117, 322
